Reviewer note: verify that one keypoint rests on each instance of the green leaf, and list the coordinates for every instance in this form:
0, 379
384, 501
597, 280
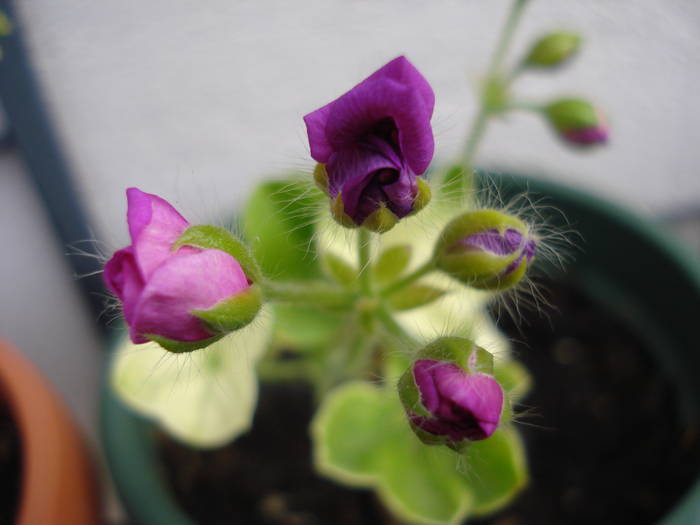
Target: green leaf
392, 262
414, 296
204, 398
278, 222
362, 438
496, 469
339, 269
349, 429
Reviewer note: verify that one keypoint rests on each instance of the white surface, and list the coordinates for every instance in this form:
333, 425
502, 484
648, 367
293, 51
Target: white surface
195, 100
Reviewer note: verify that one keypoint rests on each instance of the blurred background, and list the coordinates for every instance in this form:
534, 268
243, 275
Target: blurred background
197, 101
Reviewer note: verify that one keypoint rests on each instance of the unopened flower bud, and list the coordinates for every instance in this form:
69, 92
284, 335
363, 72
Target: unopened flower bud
181, 286
553, 49
450, 394
486, 249
577, 122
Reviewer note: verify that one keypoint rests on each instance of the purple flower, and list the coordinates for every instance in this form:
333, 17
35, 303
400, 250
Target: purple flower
160, 285
375, 140
461, 405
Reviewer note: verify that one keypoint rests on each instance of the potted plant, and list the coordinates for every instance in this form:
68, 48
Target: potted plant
384, 315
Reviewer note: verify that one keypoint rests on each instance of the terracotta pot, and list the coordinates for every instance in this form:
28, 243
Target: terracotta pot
58, 484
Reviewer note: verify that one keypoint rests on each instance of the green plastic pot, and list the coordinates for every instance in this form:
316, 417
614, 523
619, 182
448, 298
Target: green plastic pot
626, 264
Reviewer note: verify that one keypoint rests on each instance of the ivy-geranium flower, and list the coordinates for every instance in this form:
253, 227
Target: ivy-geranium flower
373, 143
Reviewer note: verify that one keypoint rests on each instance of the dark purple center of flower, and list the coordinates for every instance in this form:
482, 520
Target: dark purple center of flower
387, 176
386, 130
465, 426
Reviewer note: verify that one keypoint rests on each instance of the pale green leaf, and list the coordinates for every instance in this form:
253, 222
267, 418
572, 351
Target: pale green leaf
338, 269
415, 296
205, 398
392, 262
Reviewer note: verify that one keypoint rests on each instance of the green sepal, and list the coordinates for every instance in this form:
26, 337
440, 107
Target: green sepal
339, 269
391, 262
213, 237
321, 177
279, 225
464, 353
553, 49
414, 296
339, 215
380, 220
423, 196
182, 347
571, 114
233, 313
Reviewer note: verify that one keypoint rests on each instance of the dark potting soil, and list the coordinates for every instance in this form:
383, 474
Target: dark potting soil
605, 441
10, 466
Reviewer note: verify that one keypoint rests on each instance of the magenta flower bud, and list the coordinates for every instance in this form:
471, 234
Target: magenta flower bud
486, 249
577, 122
375, 140
181, 296
450, 395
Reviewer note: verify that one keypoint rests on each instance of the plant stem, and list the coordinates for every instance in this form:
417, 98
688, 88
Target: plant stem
480, 123
312, 293
416, 274
506, 36
363, 252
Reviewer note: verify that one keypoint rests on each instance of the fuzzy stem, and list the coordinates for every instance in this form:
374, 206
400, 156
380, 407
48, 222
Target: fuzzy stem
416, 274
313, 293
363, 252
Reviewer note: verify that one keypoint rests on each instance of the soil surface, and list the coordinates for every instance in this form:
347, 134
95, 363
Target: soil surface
10, 465
604, 438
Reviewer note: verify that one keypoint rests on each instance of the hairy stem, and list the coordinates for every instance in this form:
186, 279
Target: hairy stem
363, 253
315, 293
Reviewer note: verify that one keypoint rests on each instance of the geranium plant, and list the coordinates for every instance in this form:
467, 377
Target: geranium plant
375, 273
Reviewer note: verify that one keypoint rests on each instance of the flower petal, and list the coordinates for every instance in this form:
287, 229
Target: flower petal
396, 91
123, 278
477, 394
154, 225
316, 129
186, 281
